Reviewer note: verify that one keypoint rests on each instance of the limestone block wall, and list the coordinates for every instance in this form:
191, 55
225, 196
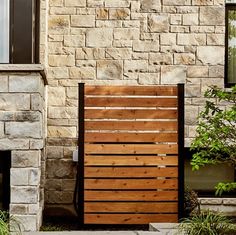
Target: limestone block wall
22, 131
125, 42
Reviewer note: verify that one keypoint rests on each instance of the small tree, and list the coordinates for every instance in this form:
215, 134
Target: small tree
216, 133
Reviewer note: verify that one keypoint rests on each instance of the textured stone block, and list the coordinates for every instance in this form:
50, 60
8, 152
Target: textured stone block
158, 23
212, 55
62, 112
24, 194
1, 129
118, 53
145, 46
74, 40
86, 21
184, 58
26, 158
83, 73
75, 3
3, 83
191, 39
212, 15
168, 39
61, 60
197, 71
104, 37
150, 5
56, 96
60, 169
102, 13
34, 177
90, 53
119, 14
149, 78
29, 222
160, 58
190, 19
109, 69
126, 34
61, 131
24, 129
135, 66
11, 144
19, 176
173, 74
14, 102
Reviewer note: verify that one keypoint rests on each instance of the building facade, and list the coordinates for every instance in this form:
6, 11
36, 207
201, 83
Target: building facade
99, 42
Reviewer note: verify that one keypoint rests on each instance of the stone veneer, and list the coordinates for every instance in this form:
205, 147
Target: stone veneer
22, 130
140, 42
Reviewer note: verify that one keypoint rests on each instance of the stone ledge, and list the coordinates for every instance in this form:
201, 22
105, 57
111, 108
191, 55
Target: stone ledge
25, 68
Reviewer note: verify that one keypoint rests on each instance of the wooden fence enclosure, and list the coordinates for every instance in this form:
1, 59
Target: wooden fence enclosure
130, 168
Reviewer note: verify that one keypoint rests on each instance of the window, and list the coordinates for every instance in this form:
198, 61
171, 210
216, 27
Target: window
19, 34
204, 180
230, 39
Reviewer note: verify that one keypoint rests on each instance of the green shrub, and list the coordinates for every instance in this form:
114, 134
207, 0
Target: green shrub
9, 223
207, 223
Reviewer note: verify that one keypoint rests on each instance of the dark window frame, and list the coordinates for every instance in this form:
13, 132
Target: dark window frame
228, 7
29, 52
209, 193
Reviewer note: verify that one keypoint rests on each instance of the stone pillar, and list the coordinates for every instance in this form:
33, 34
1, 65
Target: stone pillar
22, 130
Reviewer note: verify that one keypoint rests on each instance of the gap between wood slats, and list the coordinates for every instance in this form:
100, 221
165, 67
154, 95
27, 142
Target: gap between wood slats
131, 148
130, 114
130, 195
131, 184
132, 90
130, 218
135, 172
132, 125
131, 160
131, 207
131, 137
130, 102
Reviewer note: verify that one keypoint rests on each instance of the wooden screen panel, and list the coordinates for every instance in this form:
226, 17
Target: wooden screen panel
131, 155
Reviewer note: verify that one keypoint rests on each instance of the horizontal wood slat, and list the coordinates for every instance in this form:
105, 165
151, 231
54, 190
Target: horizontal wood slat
130, 102
131, 184
131, 160
131, 195
131, 207
135, 172
131, 148
131, 154
132, 90
130, 218
130, 114
131, 137
132, 125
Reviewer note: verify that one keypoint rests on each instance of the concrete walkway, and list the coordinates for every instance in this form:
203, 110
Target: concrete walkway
154, 229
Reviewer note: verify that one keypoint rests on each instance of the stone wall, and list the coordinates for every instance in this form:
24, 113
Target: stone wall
125, 42
22, 130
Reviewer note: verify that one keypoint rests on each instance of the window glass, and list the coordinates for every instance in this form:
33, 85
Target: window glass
205, 179
4, 31
231, 53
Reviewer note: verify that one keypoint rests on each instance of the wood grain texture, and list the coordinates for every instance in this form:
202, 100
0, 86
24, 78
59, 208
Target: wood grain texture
131, 160
132, 90
131, 184
131, 195
131, 137
131, 148
131, 207
132, 125
130, 114
130, 102
130, 218
128, 172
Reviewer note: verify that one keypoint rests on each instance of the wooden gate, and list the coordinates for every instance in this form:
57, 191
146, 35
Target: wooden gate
130, 170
